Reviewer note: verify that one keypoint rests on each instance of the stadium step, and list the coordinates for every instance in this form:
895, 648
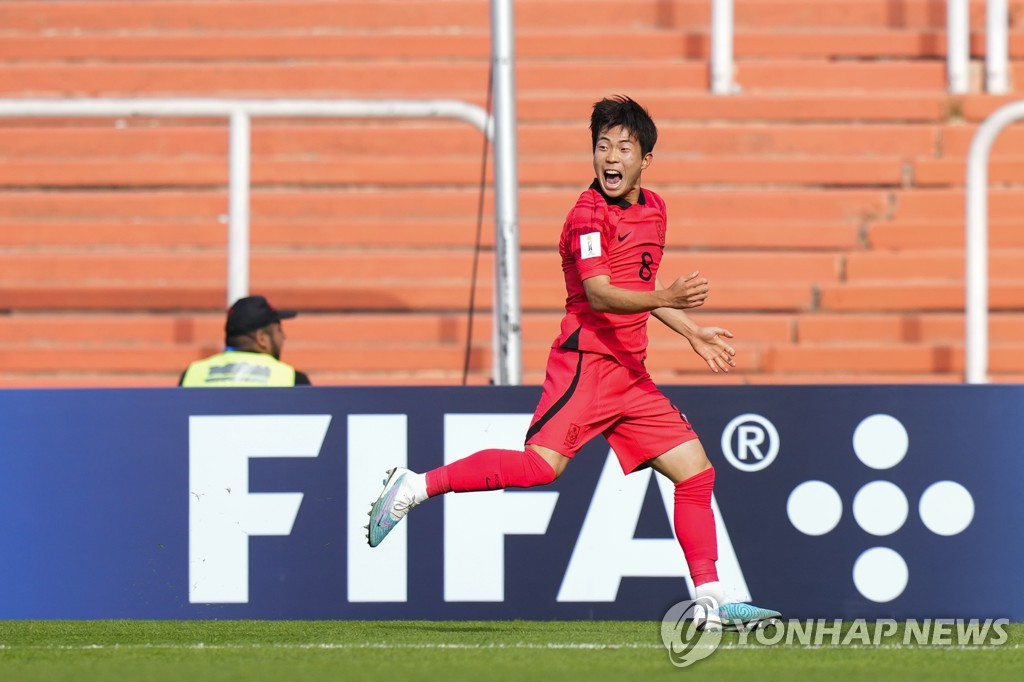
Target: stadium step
741, 204
446, 79
915, 296
315, 141
789, 359
534, 233
905, 265
455, 378
432, 42
674, 105
323, 328
836, 363
944, 204
352, 296
250, 15
360, 267
206, 329
951, 172
945, 233
533, 170
914, 327
836, 106
923, 358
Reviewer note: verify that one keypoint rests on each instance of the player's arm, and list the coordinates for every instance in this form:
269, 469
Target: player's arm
605, 297
707, 342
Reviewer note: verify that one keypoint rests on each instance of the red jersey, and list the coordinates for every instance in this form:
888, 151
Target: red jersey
604, 236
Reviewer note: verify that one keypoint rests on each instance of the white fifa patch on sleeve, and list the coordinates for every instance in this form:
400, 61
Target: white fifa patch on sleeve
590, 245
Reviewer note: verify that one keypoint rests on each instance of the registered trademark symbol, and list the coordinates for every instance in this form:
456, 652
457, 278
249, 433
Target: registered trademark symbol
750, 442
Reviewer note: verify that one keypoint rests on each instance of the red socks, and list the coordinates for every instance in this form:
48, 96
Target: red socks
695, 526
491, 470
497, 469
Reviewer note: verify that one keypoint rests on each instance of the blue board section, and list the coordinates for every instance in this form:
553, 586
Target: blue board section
829, 500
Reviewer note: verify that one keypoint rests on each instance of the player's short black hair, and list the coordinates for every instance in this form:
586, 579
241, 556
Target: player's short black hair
622, 111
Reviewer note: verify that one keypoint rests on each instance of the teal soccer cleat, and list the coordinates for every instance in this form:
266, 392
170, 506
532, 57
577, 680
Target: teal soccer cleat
740, 616
394, 503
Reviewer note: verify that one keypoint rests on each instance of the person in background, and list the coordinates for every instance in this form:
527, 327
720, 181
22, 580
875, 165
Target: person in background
253, 339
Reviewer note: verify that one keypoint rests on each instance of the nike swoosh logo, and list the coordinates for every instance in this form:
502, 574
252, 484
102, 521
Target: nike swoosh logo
622, 237
384, 519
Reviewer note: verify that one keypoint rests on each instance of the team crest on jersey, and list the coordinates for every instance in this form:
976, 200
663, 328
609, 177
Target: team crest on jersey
572, 434
590, 245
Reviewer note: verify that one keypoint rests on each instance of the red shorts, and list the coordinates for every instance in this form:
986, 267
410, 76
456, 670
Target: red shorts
588, 393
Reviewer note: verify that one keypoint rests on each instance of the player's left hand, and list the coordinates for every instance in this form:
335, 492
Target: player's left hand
710, 344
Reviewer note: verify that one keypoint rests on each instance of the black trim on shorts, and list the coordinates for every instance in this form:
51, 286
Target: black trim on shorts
560, 403
573, 341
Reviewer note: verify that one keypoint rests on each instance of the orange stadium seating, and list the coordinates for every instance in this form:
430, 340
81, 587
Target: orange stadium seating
824, 200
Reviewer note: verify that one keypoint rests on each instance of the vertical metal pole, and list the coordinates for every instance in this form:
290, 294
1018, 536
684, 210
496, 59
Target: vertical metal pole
997, 19
508, 370
958, 36
238, 207
976, 275
721, 47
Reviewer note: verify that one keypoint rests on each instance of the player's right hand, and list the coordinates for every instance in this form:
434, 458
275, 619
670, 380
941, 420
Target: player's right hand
688, 292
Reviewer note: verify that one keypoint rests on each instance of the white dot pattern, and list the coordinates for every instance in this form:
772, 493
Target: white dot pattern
880, 441
880, 508
946, 508
814, 507
880, 574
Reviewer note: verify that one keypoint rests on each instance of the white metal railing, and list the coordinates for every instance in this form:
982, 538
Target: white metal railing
958, 46
507, 365
997, 19
507, 346
976, 347
722, 68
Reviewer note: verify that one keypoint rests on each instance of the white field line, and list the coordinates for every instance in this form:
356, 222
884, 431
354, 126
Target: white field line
514, 646
332, 645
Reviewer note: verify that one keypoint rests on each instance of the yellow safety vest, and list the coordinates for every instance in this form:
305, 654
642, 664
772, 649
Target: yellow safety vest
238, 368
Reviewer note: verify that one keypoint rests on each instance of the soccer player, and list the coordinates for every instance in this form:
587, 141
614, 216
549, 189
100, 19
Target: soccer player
611, 247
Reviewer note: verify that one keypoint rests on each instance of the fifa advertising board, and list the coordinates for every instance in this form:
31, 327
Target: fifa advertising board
831, 502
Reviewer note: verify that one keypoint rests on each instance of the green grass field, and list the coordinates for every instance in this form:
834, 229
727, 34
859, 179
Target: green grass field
257, 651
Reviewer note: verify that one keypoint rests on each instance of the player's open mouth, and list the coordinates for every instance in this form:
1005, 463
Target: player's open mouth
612, 179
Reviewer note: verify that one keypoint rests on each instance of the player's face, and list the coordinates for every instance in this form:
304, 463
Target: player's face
618, 163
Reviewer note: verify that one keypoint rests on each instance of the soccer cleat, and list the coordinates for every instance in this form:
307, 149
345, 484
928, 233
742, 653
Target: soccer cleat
740, 616
394, 503
705, 615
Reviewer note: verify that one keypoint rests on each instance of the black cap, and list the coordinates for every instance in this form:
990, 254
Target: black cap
251, 313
